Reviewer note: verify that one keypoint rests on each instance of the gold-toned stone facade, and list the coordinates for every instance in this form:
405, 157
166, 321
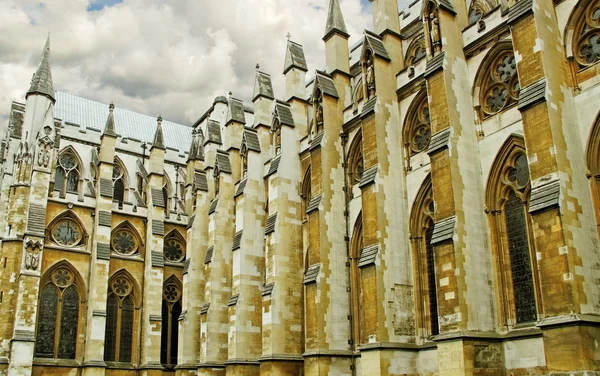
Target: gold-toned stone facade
427, 205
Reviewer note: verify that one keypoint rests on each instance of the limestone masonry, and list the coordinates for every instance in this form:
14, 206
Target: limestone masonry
427, 205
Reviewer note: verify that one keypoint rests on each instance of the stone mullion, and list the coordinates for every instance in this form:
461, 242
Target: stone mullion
99, 266
219, 291
245, 339
153, 270
193, 283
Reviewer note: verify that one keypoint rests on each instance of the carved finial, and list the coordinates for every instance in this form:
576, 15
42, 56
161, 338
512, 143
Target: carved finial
257, 67
230, 95
111, 106
288, 36
159, 119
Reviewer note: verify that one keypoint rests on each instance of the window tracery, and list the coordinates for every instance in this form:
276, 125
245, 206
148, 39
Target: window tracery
306, 191
355, 160
66, 230
422, 225
124, 240
118, 344
586, 49
417, 51
66, 178
499, 84
118, 178
417, 131
171, 310
174, 247
507, 203
58, 315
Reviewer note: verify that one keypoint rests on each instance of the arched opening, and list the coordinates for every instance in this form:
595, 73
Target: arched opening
356, 165
174, 247
60, 305
121, 318
119, 178
582, 35
416, 133
171, 310
497, 85
507, 199
356, 245
593, 168
68, 172
125, 240
67, 230
421, 231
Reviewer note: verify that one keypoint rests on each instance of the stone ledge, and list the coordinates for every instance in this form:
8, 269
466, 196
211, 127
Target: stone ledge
211, 365
58, 362
235, 361
489, 336
281, 358
187, 366
3, 360
569, 320
328, 353
394, 346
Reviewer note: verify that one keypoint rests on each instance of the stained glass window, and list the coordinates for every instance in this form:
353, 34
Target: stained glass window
58, 319
123, 242
587, 45
46, 330
174, 250
118, 343
68, 325
171, 310
419, 132
520, 262
433, 312
66, 178
66, 232
501, 86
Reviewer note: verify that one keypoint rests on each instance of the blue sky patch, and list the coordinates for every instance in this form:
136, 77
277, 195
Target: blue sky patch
97, 5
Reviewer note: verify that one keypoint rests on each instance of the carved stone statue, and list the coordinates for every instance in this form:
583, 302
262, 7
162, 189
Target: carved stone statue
32, 255
319, 112
434, 32
370, 76
278, 140
244, 156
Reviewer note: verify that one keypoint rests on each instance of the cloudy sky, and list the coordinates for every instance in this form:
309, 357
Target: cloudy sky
161, 56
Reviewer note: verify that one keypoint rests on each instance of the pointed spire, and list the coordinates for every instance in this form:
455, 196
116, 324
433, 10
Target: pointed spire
109, 128
294, 57
41, 83
159, 138
335, 21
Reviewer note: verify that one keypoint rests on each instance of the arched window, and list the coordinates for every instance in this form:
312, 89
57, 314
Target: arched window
66, 230
479, 8
174, 247
58, 319
171, 310
356, 165
119, 177
125, 240
421, 227
507, 197
68, 172
141, 187
120, 319
276, 129
593, 168
306, 191
356, 245
586, 36
497, 83
417, 126
166, 192
417, 51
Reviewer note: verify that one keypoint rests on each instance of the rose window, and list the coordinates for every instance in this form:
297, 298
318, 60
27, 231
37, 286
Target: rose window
121, 286
502, 86
421, 135
124, 242
171, 293
587, 47
518, 174
62, 278
174, 250
66, 232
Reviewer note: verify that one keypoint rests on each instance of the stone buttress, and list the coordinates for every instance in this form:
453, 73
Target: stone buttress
564, 233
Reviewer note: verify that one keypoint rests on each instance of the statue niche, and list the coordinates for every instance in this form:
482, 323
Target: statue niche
369, 73
435, 40
318, 110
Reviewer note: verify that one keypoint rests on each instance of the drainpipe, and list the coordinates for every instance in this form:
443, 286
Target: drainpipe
347, 188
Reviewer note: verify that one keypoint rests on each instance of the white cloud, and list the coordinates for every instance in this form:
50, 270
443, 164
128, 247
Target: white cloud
157, 56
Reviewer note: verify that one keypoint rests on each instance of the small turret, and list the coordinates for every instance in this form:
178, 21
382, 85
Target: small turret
109, 128
336, 40
159, 138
